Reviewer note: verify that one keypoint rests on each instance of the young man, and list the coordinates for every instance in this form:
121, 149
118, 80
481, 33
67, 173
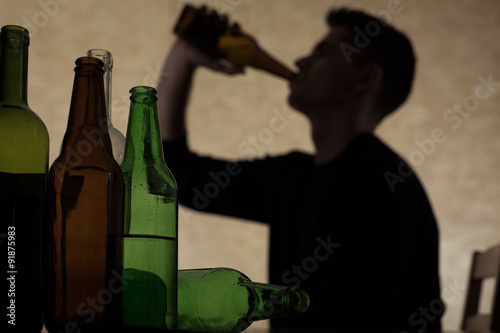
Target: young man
351, 224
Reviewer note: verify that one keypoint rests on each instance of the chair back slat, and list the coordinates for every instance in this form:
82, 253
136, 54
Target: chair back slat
484, 265
479, 323
487, 264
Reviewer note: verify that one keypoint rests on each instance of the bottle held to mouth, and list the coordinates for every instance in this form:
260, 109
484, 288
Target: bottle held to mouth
214, 35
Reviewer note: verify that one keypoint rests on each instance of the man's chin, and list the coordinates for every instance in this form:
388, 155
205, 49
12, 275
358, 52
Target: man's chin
296, 103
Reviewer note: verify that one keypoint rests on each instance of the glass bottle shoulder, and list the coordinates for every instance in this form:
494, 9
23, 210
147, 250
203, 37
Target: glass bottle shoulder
24, 141
85, 151
153, 179
19, 118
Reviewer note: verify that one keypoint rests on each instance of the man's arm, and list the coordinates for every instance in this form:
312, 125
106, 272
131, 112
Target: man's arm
205, 184
175, 85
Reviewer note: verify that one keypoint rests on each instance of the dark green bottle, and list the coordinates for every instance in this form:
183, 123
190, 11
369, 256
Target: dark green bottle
224, 300
150, 229
24, 154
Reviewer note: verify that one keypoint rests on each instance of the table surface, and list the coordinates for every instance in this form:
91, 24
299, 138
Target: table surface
269, 330
263, 330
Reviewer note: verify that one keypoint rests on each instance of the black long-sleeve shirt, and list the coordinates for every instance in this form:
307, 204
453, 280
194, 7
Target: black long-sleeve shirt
357, 233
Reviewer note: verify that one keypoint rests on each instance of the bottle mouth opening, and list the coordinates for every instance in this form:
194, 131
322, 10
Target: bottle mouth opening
143, 94
14, 36
89, 62
298, 300
104, 55
89, 65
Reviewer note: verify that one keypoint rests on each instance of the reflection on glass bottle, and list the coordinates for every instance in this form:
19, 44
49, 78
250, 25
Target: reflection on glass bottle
215, 36
224, 300
24, 154
150, 229
117, 138
86, 195
145, 299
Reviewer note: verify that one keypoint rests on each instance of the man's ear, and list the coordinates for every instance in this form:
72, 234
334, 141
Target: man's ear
370, 77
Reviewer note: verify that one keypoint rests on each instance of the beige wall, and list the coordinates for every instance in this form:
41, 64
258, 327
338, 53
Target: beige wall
456, 41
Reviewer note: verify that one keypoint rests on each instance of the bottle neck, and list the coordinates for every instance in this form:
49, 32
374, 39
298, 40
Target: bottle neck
14, 67
107, 59
264, 61
243, 50
273, 301
143, 141
87, 114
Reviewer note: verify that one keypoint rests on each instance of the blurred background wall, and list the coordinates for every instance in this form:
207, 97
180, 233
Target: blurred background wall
457, 46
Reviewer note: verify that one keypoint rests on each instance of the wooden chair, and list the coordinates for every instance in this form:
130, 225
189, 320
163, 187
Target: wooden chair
484, 265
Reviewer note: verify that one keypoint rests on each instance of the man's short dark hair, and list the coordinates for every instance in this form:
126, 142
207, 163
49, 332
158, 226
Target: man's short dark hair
374, 40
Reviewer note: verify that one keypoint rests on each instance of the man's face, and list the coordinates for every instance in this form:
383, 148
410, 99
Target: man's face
325, 79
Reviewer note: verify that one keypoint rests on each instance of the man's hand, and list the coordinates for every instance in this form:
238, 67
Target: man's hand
185, 54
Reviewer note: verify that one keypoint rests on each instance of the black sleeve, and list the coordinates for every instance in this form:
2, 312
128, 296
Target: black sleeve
240, 189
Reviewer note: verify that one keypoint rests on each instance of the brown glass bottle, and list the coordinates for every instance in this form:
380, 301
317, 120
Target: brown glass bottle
215, 36
86, 195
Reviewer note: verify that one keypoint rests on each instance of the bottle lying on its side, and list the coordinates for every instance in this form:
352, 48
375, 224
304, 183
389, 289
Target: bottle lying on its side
225, 300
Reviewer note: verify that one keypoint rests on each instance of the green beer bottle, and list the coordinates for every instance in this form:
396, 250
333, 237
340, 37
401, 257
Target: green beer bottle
24, 154
223, 300
150, 229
